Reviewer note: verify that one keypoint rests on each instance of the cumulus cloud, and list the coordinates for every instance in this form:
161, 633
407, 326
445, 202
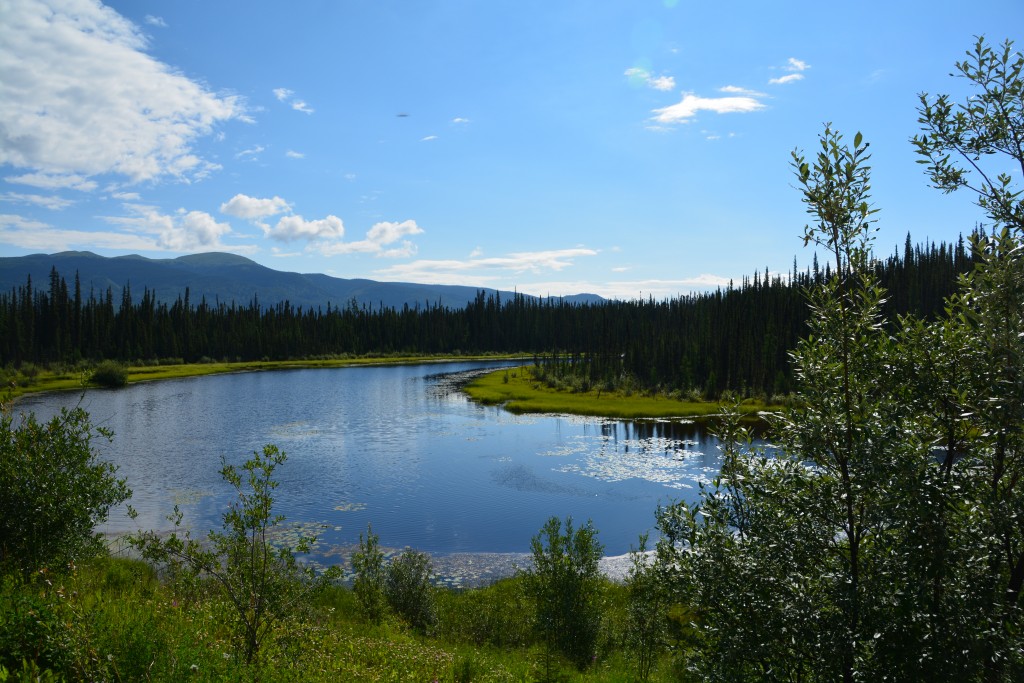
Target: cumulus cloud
153, 20
80, 97
380, 241
253, 208
181, 231
300, 105
644, 77
282, 94
291, 228
691, 104
292, 154
459, 119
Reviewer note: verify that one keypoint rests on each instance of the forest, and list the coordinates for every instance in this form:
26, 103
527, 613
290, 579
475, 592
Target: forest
736, 338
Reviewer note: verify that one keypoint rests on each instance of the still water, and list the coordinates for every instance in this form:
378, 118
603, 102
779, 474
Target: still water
398, 447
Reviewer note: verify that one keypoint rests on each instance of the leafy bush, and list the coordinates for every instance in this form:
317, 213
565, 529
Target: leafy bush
53, 491
408, 589
368, 563
565, 582
110, 374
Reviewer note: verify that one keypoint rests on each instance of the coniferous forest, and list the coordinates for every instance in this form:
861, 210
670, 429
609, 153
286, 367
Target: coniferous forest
736, 338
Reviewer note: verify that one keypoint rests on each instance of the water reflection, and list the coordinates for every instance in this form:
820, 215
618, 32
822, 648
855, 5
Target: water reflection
399, 447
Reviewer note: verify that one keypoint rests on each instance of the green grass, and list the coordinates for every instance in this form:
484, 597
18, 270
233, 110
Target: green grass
518, 392
115, 619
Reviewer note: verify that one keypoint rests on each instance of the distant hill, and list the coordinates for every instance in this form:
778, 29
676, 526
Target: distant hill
221, 277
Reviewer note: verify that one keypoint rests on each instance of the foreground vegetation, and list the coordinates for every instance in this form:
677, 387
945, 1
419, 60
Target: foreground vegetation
881, 539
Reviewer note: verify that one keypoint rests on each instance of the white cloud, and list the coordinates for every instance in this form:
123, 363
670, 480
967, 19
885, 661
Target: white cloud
691, 104
292, 154
252, 208
642, 76
38, 236
47, 181
628, 289
126, 196
284, 95
183, 231
251, 152
794, 66
459, 119
788, 78
736, 90
46, 201
428, 138
80, 97
378, 238
477, 270
146, 229
156, 21
291, 228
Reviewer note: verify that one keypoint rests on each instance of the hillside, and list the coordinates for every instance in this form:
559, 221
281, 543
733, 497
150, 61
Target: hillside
221, 277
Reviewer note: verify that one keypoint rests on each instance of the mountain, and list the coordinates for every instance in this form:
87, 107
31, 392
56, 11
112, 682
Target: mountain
221, 277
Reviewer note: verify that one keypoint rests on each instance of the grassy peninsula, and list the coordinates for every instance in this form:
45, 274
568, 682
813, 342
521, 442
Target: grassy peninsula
518, 391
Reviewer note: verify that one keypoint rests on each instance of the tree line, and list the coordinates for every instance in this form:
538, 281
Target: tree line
736, 337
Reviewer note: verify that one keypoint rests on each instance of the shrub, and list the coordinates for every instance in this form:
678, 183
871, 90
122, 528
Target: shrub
53, 491
368, 563
565, 582
408, 589
110, 374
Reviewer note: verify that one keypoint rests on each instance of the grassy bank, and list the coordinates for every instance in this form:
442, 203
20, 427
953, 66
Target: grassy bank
518, 391
115, 619
31, 379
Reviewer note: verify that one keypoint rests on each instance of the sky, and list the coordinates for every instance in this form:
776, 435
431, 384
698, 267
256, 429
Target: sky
631, 149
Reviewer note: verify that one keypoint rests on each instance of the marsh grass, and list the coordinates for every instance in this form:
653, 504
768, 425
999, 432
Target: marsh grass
519, 392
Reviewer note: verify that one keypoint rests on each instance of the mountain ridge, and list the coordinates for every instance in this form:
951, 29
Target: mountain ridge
224, 277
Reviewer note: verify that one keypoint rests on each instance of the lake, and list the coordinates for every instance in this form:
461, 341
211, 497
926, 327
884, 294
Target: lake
398, 447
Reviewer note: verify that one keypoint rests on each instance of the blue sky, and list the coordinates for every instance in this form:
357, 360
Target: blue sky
633, 148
